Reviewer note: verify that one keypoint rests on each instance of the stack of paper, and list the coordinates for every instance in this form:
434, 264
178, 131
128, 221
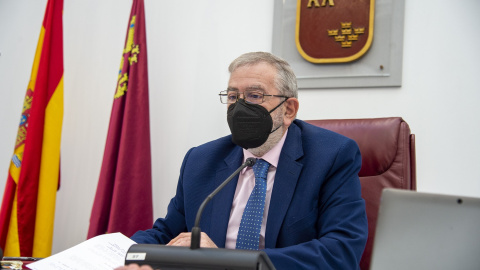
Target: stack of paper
104, 252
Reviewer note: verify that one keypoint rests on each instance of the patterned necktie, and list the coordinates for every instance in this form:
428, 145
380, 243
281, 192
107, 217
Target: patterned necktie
249, 231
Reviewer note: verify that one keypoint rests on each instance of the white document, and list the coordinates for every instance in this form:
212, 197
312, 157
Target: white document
103, 252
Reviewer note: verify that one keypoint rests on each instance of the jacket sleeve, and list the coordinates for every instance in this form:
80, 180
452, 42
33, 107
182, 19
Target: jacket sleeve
341, 223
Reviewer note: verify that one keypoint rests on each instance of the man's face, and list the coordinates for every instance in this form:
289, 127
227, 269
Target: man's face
261, 77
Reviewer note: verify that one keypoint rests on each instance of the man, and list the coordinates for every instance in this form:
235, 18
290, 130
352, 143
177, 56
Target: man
313, 213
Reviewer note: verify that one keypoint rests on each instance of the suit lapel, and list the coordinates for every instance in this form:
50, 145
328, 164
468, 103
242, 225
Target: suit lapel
286, 178
222, 202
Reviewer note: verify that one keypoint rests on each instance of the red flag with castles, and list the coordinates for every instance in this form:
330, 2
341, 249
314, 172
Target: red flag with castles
123, 201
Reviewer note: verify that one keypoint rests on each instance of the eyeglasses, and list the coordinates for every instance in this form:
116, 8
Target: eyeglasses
250, 96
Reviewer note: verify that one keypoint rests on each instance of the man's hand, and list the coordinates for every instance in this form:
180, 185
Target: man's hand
134, 267
184, 240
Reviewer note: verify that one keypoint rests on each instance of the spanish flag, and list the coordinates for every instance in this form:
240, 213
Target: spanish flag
28, 206
123, 201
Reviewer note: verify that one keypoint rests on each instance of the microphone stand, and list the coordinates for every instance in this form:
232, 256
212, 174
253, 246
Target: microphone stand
196, 231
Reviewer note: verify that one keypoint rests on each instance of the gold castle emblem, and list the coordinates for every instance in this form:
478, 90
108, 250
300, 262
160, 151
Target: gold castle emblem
346, 35
132, 50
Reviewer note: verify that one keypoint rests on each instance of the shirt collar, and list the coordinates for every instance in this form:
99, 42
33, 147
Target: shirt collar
271, 156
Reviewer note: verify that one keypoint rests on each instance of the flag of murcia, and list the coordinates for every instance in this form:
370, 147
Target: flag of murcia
334, 31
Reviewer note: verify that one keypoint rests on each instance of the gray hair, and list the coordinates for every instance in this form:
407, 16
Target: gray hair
285, 81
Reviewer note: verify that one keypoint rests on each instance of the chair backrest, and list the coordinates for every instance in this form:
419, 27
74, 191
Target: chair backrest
388, 161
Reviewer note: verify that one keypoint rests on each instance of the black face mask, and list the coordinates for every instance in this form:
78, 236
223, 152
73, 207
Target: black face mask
250, 124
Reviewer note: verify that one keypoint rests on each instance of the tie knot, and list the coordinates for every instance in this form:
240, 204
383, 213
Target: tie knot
260, 168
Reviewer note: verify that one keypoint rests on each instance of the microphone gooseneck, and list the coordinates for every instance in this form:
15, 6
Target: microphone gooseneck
196, 237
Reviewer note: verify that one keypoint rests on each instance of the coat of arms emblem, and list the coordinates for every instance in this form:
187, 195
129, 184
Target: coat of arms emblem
334, 31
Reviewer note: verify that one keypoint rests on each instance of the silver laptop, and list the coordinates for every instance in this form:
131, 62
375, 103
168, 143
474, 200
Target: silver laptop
426, 231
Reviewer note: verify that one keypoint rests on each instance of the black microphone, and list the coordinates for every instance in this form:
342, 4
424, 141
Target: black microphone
196, 232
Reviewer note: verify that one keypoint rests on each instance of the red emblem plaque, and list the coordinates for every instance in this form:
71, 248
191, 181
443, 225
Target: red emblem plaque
334, 31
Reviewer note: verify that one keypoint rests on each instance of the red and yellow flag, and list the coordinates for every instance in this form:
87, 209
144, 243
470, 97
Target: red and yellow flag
28, 206
123, 201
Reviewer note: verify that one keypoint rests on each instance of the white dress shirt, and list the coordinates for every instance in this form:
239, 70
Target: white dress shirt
246, 182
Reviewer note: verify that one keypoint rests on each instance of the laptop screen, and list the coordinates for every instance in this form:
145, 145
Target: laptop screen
426, 231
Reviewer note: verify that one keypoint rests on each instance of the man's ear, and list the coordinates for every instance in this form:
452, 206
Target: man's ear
291, 109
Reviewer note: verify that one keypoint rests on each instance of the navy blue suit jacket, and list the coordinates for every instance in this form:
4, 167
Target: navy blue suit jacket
317, 217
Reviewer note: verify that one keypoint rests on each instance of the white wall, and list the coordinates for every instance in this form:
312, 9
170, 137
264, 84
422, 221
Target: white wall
190, 44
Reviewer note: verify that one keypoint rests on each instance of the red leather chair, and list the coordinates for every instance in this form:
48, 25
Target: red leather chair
388, 161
